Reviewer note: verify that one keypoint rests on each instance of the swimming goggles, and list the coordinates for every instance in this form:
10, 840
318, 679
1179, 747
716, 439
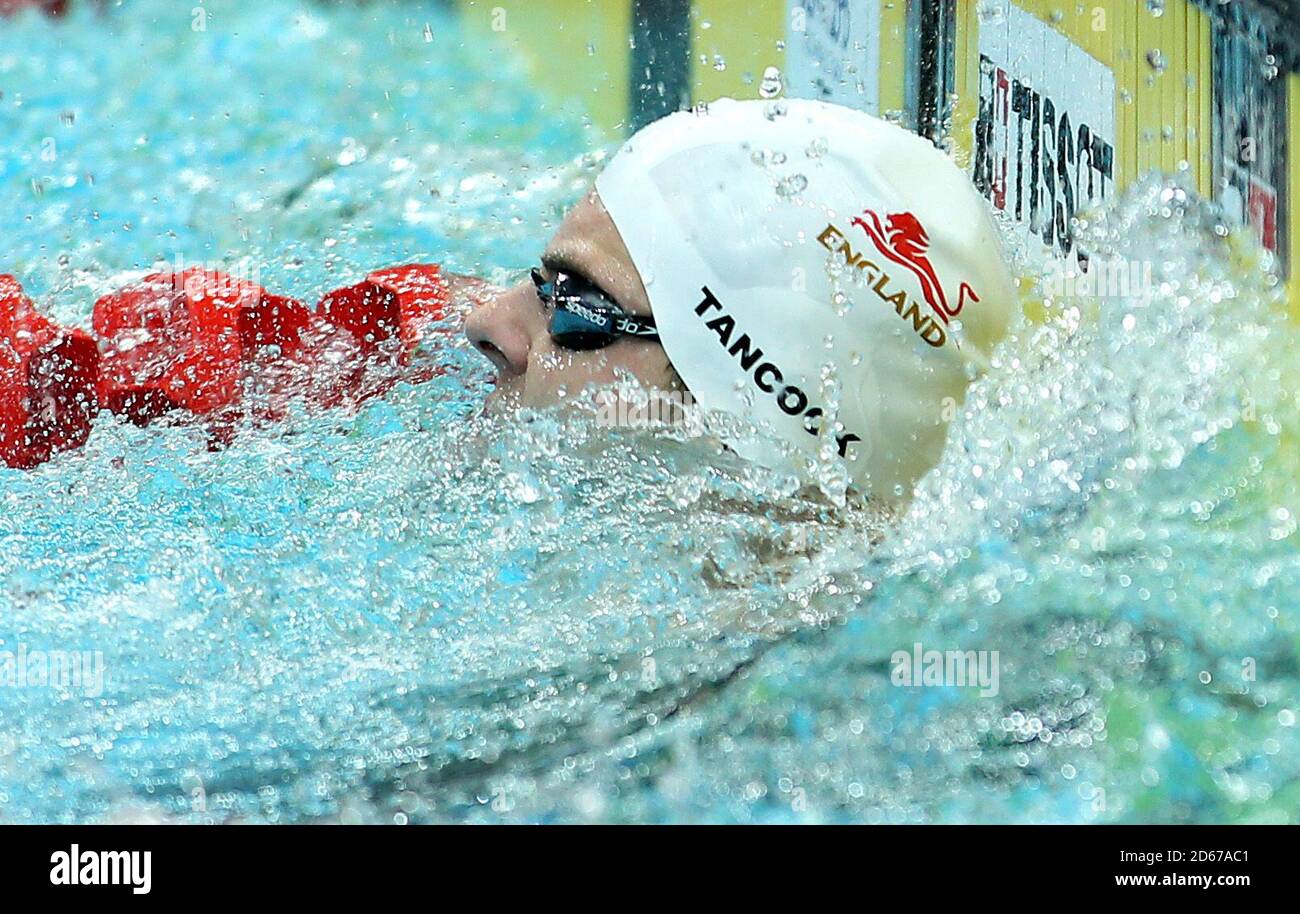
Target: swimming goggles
583, 317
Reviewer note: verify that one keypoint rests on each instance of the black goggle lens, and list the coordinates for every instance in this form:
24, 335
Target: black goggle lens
573, 331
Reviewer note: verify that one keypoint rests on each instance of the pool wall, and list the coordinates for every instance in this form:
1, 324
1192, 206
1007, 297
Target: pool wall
1111, 90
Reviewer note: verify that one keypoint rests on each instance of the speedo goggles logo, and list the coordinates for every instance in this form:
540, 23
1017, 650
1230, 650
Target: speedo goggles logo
765, 375
576, 307
902, 240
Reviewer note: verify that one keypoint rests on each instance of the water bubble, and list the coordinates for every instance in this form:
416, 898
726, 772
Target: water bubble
774, 109
836, 263
791, 185
771, 85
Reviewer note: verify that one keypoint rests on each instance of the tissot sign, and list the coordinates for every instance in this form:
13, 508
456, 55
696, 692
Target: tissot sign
1044, 141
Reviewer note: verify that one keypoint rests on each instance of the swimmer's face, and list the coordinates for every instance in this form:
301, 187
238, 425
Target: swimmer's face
510, 328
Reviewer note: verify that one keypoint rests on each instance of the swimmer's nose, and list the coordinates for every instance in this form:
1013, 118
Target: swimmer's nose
497, 330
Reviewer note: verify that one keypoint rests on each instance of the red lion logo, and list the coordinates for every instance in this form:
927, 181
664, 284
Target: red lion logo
904, 240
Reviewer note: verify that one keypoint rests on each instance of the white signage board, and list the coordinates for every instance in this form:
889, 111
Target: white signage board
1045, 137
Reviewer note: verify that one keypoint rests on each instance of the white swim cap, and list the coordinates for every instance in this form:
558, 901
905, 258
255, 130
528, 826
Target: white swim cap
816, 270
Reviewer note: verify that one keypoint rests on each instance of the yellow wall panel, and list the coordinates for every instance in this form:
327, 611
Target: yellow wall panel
1126, 78
1174, 126
893, 55
1207, 107
966, 83
576, 51
1147, 92
745, 38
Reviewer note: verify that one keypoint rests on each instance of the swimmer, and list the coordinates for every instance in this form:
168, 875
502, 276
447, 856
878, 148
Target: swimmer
811, 270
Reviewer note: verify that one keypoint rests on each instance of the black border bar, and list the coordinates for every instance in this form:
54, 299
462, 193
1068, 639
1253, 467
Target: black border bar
924, 863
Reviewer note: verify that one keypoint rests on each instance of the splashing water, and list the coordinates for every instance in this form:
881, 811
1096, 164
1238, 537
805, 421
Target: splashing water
410, 614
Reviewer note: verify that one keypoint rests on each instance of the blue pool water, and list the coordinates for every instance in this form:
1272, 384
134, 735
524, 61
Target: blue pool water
415, 614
